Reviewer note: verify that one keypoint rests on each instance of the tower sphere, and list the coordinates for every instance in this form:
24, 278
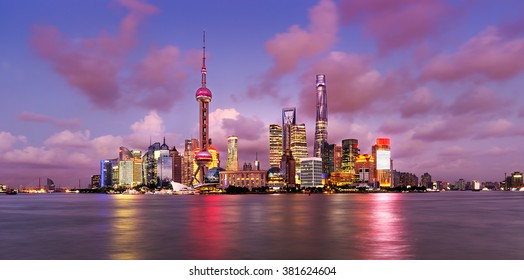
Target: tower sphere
203, 157
203, 94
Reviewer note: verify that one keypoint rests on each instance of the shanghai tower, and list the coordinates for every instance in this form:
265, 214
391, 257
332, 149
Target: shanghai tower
322, 121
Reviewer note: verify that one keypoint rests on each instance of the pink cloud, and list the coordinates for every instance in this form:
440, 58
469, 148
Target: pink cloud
68, 138
290, 48
445, 128
396, 24
7, 140
479, 100
391, 126
158, 79
499, 128
487, 55
244, 128
92, 65
419, 102
39, 118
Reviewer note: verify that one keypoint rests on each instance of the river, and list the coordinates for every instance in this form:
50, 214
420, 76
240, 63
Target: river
374, 226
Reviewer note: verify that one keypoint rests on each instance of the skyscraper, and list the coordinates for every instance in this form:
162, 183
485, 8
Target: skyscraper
232, 153
349, 153
298, 144
203, 96
289, 118
321, 124
275, 145
382, 155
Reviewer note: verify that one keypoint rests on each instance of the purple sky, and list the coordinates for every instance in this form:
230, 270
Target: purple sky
442, 79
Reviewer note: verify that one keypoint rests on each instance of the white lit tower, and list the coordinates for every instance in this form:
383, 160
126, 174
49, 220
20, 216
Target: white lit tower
321, 120
203, 96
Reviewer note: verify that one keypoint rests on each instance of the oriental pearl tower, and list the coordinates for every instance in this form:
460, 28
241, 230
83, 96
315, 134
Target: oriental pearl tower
203, 96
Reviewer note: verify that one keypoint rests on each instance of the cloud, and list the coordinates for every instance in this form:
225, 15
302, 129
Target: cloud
499, 128
488, 55
392, 126
419, 102
480, 100
445, 128
7, 140
396, 24
39, 118
158, 79
92, 65
68, 138
288, 49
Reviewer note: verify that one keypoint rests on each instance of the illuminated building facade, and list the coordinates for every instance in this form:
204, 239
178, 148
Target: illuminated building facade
106, 172
275, 145
243, 178
311, 173
232, 153
364, 167
137, 168
203, 96
164, 164
188, 161
382, 154
321, 124
349, 153
298, 144
95, 181
516, 180
337, 158
275, 178
404, 179
125, 167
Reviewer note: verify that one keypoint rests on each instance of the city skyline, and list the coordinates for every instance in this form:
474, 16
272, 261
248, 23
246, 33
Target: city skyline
440, 79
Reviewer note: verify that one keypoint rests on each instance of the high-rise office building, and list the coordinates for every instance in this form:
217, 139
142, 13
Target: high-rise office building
203, 96
106, 172
298, 144
289, 118
311, 172
232, 153
382, 155
321, 123
349, 153
337, 158
275, 145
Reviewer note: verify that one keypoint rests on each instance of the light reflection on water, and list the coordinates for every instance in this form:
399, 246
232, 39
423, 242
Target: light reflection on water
341, 226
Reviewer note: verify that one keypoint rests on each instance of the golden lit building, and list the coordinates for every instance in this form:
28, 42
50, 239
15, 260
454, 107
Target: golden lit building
298, 144
243, 178
382, 154
275, 145
232, 153
364, 168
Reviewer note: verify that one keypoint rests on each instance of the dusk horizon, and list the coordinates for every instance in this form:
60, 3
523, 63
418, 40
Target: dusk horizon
441, 79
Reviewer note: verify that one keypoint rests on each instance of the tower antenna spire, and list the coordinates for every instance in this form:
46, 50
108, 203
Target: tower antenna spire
204, 70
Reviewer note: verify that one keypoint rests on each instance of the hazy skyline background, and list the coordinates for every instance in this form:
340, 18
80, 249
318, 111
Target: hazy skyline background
442, 79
